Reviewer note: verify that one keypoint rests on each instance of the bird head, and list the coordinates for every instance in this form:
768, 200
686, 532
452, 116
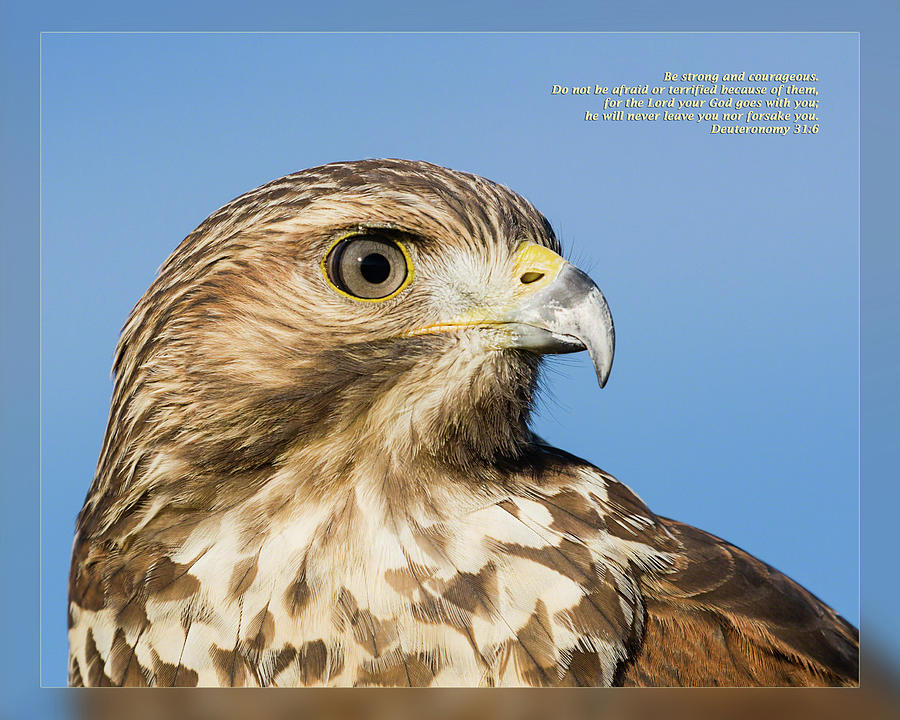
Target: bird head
382, 311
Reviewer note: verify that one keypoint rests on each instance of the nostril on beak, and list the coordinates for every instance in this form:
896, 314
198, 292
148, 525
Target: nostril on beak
531, 277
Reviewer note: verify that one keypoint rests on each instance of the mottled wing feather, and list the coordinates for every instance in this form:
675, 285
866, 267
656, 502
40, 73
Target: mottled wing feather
108, 594
725, 618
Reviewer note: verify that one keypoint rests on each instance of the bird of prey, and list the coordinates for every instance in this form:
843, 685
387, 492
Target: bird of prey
318, 469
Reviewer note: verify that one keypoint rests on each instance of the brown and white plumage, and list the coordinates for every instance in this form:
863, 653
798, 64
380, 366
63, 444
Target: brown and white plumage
302, 486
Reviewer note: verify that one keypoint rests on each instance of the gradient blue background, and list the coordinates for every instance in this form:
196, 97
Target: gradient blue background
730, 263
20, 24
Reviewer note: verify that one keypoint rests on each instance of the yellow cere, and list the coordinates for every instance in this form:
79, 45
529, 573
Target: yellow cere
532, 258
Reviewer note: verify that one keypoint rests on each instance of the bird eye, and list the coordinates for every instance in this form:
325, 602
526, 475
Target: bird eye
368, 267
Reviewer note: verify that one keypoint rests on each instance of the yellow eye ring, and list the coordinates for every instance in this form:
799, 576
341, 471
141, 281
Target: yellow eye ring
367, 266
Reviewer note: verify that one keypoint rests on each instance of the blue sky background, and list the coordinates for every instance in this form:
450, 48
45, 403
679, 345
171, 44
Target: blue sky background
20, 429
730, 263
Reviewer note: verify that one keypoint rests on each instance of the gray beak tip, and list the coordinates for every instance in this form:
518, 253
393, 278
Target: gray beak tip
602, 366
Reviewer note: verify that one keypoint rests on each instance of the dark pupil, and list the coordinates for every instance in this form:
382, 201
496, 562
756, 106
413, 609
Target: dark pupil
375, 268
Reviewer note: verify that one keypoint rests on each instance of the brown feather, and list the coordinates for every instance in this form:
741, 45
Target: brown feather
723, 617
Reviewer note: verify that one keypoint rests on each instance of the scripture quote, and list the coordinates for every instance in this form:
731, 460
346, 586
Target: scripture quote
723, 104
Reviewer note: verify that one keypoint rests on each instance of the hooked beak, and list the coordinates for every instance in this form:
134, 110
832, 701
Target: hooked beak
565, 313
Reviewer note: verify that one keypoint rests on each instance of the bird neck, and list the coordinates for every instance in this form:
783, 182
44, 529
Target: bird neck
395, 415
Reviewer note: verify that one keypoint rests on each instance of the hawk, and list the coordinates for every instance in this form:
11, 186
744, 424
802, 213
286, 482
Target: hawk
318, 469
